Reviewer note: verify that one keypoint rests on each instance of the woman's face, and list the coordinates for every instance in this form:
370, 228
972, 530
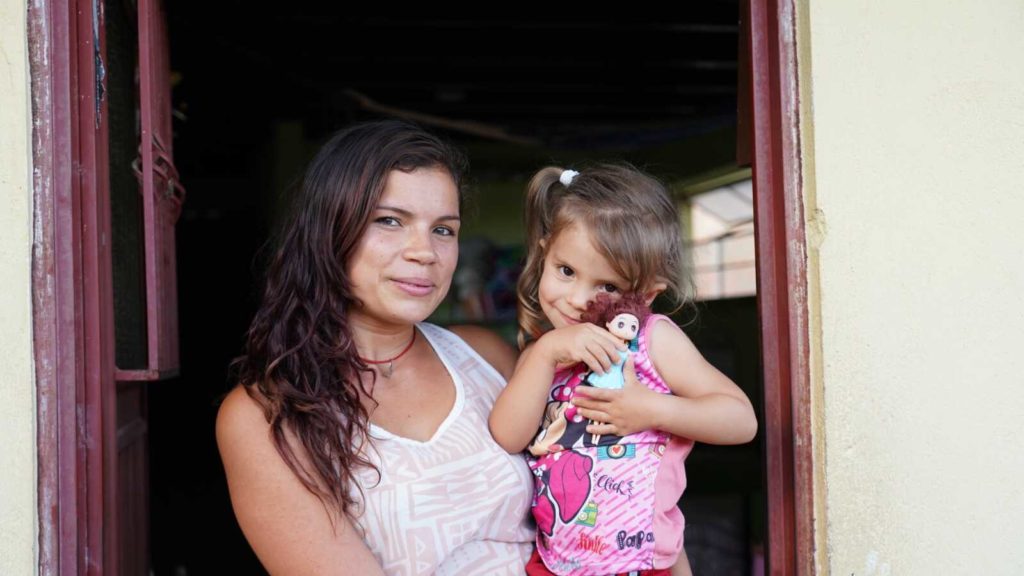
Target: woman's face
402, 267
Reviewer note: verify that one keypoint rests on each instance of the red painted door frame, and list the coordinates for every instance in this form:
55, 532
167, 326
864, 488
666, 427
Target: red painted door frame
782, 287
72, 300
72, 292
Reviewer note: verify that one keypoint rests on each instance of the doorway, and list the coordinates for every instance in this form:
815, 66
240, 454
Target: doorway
253, 100
251, 103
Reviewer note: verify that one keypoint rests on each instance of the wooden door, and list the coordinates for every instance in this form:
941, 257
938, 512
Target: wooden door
103, 273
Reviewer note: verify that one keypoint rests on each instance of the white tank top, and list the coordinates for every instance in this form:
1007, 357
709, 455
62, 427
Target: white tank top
457, 503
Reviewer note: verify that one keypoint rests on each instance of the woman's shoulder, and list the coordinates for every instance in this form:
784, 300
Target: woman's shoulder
290, 528
490, 346
239, 417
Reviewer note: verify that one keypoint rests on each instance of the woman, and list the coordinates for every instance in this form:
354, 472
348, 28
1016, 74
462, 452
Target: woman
357, 440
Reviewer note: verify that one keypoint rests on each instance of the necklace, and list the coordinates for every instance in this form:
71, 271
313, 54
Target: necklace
387, 367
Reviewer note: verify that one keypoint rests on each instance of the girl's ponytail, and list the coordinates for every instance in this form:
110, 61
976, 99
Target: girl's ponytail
539, 216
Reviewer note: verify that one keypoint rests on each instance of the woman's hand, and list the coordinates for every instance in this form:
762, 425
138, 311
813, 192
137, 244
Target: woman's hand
585, 342
620, 412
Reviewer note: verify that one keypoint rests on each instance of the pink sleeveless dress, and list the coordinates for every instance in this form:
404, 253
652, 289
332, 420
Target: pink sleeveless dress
607, 504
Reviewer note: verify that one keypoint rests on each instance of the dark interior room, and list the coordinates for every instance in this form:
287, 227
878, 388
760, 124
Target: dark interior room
255, 92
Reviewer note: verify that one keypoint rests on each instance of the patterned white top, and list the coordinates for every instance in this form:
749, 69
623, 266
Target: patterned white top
457, 503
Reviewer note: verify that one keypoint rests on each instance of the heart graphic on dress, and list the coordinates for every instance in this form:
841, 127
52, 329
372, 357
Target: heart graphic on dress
569, 483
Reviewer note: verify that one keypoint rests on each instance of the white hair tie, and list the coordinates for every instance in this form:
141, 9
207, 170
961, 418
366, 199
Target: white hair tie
567, 176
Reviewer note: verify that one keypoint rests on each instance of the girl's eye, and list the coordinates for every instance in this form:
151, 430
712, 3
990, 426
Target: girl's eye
609, 288
444, 231
566, 271
388, 221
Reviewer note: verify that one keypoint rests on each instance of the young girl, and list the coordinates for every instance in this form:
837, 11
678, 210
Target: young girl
608, 506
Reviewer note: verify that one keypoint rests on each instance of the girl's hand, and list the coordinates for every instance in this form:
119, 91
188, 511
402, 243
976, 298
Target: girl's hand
619, 412
584, 342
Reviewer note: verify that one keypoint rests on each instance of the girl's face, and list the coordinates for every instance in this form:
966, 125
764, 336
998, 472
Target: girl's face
574, 274
403, 265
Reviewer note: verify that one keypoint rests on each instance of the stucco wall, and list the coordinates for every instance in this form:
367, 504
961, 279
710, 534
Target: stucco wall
17, 388
915, 166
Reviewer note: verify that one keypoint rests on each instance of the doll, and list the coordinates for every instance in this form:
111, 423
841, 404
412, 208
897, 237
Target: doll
625, 326
623, 318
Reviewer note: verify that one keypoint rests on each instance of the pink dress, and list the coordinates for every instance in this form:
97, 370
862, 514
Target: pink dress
607, 504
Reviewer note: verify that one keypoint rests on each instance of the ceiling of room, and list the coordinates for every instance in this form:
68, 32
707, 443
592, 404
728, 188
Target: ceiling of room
571, 81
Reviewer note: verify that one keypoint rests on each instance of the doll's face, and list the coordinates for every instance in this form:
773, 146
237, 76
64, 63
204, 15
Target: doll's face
624, 326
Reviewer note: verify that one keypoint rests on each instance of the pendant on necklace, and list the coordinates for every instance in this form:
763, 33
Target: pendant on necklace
387, 367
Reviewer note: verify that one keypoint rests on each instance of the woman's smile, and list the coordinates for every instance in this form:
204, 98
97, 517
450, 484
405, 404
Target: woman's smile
415, 286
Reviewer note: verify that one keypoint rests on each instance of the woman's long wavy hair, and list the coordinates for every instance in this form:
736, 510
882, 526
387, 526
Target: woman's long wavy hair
631, 219
300, 361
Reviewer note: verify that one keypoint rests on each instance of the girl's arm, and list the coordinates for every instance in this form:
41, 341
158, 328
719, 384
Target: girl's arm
706, 406
517, 411
287, 526
682, 565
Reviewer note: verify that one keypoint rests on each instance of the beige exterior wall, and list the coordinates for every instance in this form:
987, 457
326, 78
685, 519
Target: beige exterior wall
913, 123
18, 549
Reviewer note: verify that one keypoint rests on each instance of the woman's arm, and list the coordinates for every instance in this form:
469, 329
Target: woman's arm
287, 526
706, 405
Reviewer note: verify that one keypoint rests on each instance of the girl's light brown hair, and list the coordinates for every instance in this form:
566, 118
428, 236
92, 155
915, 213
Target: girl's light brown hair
632, 221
